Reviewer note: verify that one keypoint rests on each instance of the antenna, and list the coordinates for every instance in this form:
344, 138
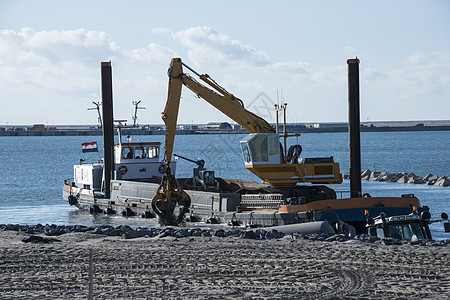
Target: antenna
97, 107
136, 107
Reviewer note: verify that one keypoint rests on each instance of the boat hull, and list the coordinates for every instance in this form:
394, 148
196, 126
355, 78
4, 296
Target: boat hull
133, 198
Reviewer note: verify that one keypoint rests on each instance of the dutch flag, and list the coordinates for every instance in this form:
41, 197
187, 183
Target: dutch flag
89, 147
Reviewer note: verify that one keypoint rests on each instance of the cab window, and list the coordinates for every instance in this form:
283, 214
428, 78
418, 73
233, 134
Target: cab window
258, 148
245, 152
153, 152
140, 153
127, 153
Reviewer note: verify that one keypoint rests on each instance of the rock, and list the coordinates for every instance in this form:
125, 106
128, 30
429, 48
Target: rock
394, 177
219, 233
131, 234
442, 181
403, 179
365, 173
434, 177
382, 176
438, 244
331, 238
374, 175
165, 232
248, 234
181, 233
373, 239
342, 238
415, 180
427, 177
409, 175
195, 231
273, 234
38, 239
206, 233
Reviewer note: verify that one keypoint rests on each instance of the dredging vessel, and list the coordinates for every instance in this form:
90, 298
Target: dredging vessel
145, 186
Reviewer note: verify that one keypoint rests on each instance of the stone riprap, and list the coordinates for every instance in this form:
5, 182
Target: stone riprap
403, 177
36, 233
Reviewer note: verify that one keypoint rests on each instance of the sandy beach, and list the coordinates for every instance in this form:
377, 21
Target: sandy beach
219, 268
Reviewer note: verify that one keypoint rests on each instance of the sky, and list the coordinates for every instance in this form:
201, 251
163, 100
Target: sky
263, 52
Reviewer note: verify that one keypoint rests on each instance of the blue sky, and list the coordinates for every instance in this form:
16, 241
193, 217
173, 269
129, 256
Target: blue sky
50, 54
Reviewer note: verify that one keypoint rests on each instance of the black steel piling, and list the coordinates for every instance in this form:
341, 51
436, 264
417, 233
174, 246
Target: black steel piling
354, 127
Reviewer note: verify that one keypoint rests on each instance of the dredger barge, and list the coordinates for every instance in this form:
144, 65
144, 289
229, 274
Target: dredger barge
132, 181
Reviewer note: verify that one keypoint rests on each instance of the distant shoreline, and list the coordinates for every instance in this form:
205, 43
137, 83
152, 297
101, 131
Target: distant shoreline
291, 129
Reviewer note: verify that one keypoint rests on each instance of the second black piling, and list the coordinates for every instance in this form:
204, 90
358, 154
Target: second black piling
354, 127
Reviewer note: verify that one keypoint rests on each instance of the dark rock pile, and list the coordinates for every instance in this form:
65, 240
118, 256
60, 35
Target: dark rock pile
127, 232
403, 177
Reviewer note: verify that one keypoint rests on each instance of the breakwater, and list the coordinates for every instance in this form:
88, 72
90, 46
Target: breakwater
128, 232
403, 177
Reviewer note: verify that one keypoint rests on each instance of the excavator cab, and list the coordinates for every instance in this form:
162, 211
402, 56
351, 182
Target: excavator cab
263, 155
261, 148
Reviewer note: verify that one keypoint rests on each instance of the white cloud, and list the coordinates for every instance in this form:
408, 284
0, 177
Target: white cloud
422, 76
210, 46
160, 30
154, 53
330, 76
416, 59
350, 49
288, 68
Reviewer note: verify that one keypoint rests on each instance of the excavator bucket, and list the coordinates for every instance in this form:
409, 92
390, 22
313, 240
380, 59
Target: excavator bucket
168, 195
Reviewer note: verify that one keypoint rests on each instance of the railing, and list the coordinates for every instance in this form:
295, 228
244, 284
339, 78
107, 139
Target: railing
342, 192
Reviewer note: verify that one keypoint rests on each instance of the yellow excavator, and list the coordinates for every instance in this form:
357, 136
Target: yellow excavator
263, 153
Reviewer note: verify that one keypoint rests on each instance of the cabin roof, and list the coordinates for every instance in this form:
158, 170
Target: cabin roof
140, 144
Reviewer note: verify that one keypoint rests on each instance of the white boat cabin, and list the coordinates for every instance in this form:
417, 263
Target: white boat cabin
133, 161
139, 161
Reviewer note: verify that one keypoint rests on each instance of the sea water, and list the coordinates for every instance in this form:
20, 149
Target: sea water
33, 169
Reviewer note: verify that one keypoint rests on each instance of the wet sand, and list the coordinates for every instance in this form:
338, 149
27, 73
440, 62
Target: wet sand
219, 268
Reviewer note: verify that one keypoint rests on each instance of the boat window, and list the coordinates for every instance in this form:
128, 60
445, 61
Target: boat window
153, 152
245, 152
258, 148
127, 153
140, 153
274, 146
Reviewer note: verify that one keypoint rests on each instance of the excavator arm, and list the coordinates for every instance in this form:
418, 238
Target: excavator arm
224, 101
170, 192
